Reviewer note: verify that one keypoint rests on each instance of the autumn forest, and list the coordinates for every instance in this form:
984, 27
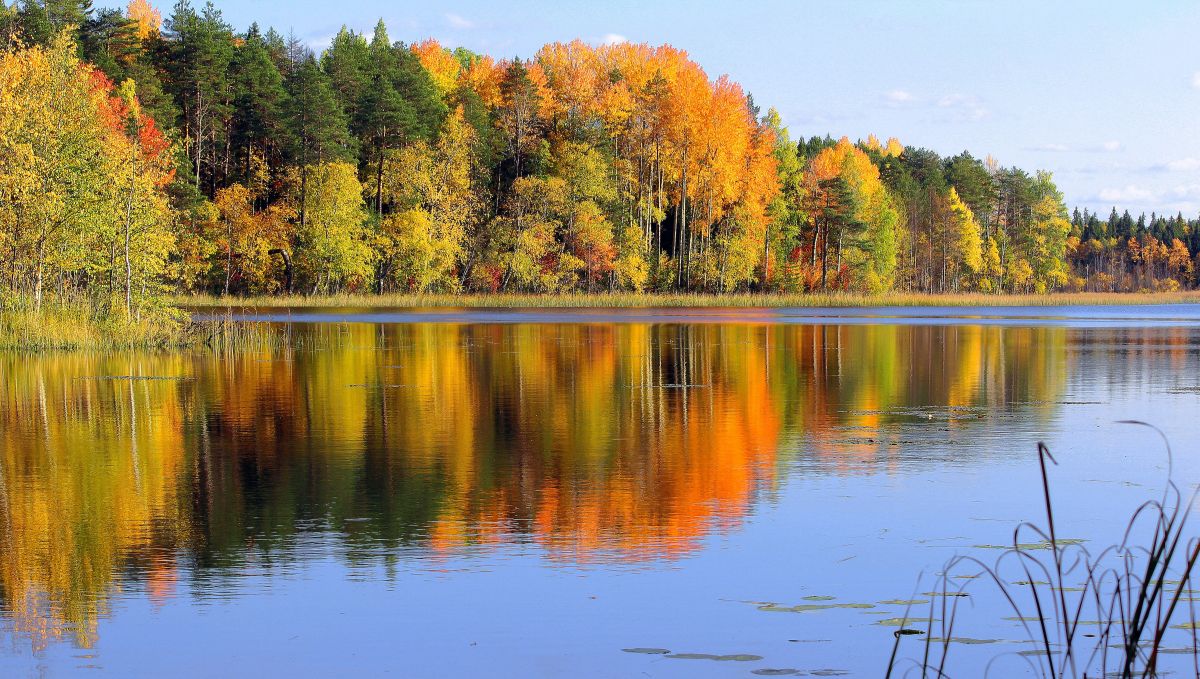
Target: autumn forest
147, 152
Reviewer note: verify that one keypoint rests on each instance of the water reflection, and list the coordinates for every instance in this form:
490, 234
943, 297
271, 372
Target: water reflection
587, 443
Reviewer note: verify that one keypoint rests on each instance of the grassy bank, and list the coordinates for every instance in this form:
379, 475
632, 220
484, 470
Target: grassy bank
83, 324
678, 300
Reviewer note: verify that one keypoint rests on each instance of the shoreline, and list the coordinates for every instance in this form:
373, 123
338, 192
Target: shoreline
79, 324
683, 300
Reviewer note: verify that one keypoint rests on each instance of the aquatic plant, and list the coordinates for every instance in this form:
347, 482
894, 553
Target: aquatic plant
1127, 596
77, 321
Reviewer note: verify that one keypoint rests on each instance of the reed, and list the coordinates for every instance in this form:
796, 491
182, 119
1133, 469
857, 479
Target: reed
83, 323
230, 334
1127, 595
679, 300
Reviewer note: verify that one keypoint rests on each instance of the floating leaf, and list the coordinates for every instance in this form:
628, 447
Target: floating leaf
901, 622
805, 608
737, 657
965, 640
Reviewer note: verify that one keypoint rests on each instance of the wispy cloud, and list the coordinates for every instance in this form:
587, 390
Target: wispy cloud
823, 121
1196, 80
1134, 197
320, 43
613, 39
1183, 165
1130, 193
458, 21
951, 107
963, 107
1189, 164
1051, 148
1103, 147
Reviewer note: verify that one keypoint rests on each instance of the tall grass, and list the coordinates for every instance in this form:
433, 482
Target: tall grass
1090, 615
227, 334
83, 323
669, 300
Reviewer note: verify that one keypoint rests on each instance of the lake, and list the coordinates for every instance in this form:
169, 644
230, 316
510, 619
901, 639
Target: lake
427, 493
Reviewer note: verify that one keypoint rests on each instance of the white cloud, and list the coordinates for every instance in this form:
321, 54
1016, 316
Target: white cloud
458, 21
1189, 164
898, 97
1184, 165
613, 39
320, 43
1136, 198
1054, 148
1186, 191
1105, 147
1196, 80
963, 107
1129, 193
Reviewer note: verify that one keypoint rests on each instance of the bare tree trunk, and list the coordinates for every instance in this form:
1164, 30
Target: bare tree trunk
379, 185
199, 132
37, 290
825, 262
128, 228
228, 254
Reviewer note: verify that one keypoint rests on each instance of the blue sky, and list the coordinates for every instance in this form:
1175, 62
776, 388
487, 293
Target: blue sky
1104, 94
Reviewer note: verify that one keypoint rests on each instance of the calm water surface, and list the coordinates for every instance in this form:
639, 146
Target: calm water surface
489, 493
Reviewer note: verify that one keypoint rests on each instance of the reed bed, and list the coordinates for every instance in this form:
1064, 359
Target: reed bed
1087, 615
229, 334
80, 323
681, 300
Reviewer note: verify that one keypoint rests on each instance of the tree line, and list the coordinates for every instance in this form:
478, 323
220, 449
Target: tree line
141, 154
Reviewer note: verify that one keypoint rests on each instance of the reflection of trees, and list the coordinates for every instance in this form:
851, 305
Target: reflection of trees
591, 441
90, 484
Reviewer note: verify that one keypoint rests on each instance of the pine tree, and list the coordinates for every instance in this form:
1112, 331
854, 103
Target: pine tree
199, 50
259, 100
319, 129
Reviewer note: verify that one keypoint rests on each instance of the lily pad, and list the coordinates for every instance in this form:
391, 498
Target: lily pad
772, 672
736, 657
901, 622
805, 608
1030, 546
647, 651
904, 602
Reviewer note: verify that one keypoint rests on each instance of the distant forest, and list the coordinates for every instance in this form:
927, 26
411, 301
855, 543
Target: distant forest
142, 155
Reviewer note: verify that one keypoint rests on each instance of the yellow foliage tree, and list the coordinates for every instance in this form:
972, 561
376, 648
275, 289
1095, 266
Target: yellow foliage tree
332, 251
967, 244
